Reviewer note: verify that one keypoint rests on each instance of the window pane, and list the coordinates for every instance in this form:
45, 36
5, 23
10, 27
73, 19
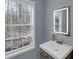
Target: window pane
7, 45
13, 9
25, 15
26, 30
8, 13
16, 31
16, 43
7, 32
18, 11
26, 40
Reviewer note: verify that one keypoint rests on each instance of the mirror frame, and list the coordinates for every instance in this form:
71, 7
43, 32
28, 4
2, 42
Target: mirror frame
67, 30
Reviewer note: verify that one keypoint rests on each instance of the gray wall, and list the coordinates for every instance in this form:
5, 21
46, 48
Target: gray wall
50, 6
39, 33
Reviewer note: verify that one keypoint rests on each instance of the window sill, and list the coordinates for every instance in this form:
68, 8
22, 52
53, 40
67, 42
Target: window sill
19, 51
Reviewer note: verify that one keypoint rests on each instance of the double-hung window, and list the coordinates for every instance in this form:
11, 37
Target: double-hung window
19, 27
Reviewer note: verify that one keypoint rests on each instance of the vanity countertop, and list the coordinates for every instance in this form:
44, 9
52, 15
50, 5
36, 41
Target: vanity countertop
58, 51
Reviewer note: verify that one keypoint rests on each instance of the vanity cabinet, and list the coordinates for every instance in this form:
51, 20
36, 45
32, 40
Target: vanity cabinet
70, 56
44, 55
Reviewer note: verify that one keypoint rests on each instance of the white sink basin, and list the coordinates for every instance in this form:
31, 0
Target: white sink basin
58, 51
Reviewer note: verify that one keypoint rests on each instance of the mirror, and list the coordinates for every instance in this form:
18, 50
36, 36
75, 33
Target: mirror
61, 21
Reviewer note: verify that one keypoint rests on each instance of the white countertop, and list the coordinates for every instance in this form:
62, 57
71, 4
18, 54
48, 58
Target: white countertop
58, 51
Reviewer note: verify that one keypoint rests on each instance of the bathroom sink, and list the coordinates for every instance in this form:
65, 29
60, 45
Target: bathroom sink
58, 51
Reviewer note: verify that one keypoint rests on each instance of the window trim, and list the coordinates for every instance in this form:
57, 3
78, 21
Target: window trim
18, 51
24, 49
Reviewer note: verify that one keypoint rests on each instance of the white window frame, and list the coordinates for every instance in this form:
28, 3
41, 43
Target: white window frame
21, 50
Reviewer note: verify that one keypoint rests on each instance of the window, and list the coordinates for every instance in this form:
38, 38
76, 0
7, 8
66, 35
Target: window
19, 27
